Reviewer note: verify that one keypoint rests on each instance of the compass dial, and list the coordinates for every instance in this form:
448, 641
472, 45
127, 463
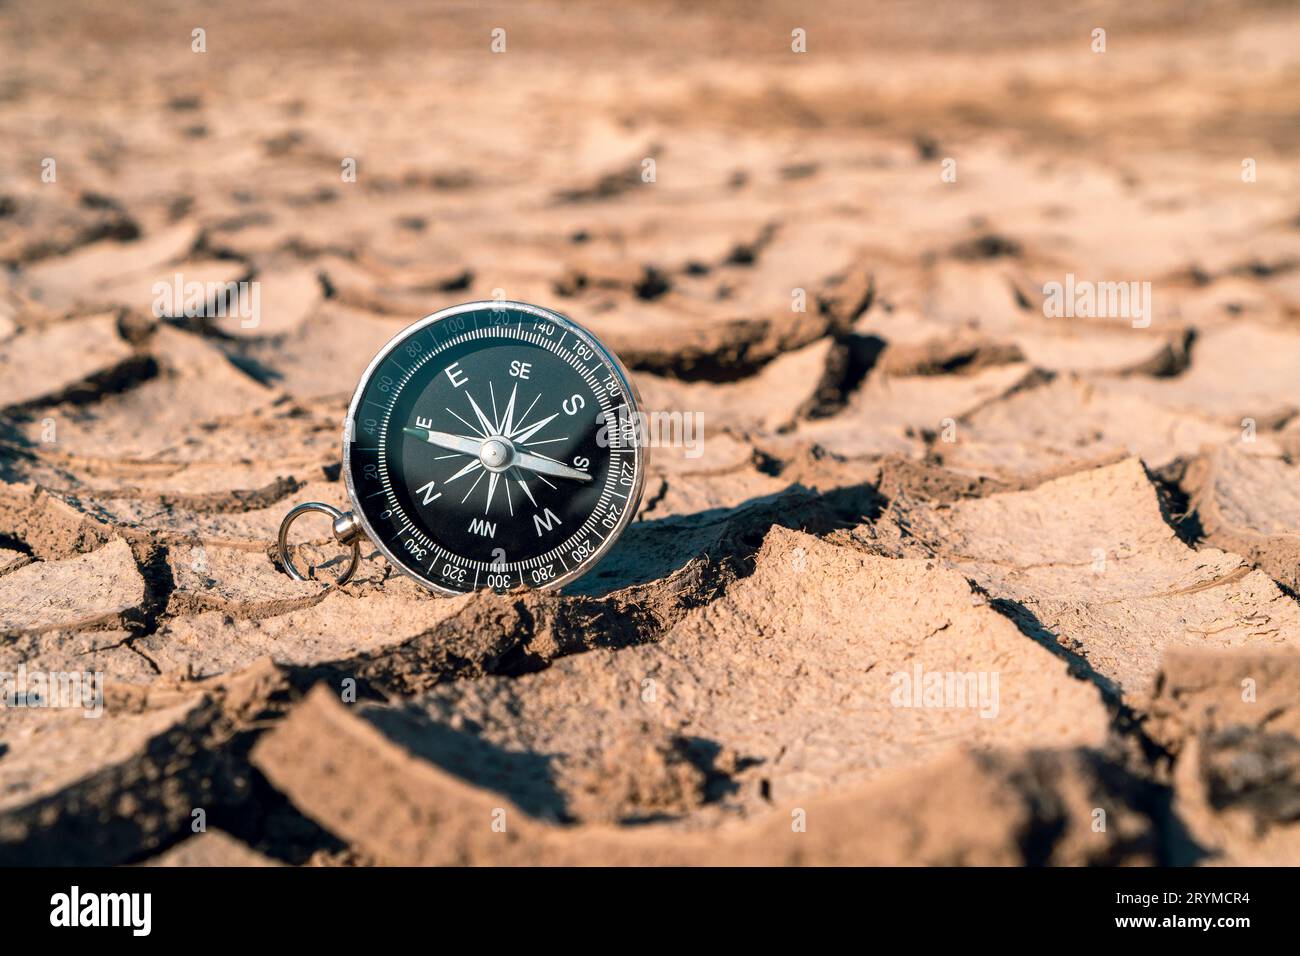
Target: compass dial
494, 445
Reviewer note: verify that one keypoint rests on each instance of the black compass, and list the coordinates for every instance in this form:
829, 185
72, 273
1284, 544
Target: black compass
490, 445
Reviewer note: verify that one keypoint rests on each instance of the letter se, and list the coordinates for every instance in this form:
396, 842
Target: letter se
520, 369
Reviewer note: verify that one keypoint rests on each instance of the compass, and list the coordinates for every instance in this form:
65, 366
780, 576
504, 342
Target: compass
491, 445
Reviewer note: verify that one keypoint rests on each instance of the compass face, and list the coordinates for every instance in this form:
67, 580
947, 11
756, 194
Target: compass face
494, 445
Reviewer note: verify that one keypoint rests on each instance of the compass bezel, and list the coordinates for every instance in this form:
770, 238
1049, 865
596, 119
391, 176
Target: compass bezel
569, 325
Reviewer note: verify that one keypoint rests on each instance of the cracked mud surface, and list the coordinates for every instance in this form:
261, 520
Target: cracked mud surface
909, 470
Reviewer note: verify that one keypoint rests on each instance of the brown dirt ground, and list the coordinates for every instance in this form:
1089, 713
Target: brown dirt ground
919, 472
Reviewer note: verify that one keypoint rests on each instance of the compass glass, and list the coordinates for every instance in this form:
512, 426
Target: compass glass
494, 445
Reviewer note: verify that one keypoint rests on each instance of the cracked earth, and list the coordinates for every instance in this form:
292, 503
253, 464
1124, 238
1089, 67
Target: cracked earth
908, 467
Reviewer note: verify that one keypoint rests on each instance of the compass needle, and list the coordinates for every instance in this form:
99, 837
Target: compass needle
460, 443
549, 466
